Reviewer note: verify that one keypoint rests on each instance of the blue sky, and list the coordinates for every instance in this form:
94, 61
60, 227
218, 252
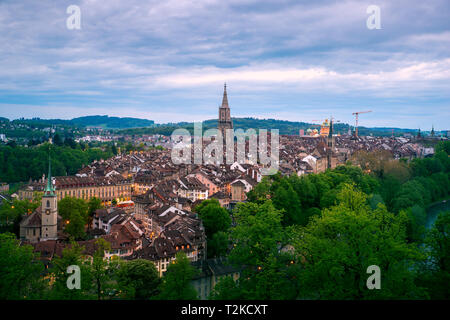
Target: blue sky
167, 60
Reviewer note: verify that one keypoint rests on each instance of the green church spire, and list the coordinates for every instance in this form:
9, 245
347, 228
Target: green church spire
49, 189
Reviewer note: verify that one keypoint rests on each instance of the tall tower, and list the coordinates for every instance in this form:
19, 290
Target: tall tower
330, 144
330, 140
224, 114
49, 209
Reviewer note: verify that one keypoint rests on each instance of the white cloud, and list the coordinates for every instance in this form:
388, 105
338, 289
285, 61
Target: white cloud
175, 55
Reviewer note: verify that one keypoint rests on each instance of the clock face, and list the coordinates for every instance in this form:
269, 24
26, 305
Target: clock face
47, 211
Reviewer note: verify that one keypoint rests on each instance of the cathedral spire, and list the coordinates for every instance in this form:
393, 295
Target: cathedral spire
330, 132
49, 190
225, 97
224, 113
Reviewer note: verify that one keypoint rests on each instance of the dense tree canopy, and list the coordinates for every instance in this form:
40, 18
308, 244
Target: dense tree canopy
138, 279
176, 283
337, 248
75, 213
20, 270
216, 221
22, 163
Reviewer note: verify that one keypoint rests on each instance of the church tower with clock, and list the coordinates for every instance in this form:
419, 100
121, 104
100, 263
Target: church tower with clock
49, 211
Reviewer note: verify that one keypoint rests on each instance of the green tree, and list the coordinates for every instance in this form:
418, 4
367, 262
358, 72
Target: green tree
336, 248
75, 214
410, 194
261, 191
102, 270
214, 217
436, 273
75, 225
443, 146
258, 239
218, 244
138, 279
20, 270
11, 214
20, 163
374, 200
257, 233
94, 204
176, 283
71, 255
57, 140
67, 205
416, 224
114, 149
306, 191
227, 289
286, 199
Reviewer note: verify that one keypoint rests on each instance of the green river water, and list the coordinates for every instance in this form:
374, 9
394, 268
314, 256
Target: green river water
433, 211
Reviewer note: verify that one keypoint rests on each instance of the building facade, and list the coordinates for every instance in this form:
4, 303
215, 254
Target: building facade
106, 189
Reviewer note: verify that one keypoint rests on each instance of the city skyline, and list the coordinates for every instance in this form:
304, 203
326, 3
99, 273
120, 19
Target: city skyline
168, 61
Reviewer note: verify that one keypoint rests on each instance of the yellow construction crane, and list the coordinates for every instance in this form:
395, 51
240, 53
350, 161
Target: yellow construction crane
356, 120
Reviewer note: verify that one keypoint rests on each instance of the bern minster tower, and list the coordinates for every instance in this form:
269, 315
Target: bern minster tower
224, 114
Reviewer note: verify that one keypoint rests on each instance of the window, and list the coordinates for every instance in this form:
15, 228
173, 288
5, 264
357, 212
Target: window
48, 204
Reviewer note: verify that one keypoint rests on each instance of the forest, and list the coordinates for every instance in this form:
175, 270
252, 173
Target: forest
19, 164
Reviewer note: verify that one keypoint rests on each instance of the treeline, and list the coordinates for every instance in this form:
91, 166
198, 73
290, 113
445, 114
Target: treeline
80, 122
284, 127
111, 122
24, 276
19, 163
399, 185
314, 237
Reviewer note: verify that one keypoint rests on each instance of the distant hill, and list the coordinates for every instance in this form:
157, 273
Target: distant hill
112, 122
284, 127
144, 126
91, 121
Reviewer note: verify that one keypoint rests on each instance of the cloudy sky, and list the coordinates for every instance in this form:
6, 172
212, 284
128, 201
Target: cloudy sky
167, 60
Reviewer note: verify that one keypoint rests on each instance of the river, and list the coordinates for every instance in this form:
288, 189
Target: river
434, 210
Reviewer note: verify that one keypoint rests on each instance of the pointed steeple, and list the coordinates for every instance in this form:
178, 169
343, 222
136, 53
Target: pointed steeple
330, 141
49, 189
224, 120
330, 132
225, 97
